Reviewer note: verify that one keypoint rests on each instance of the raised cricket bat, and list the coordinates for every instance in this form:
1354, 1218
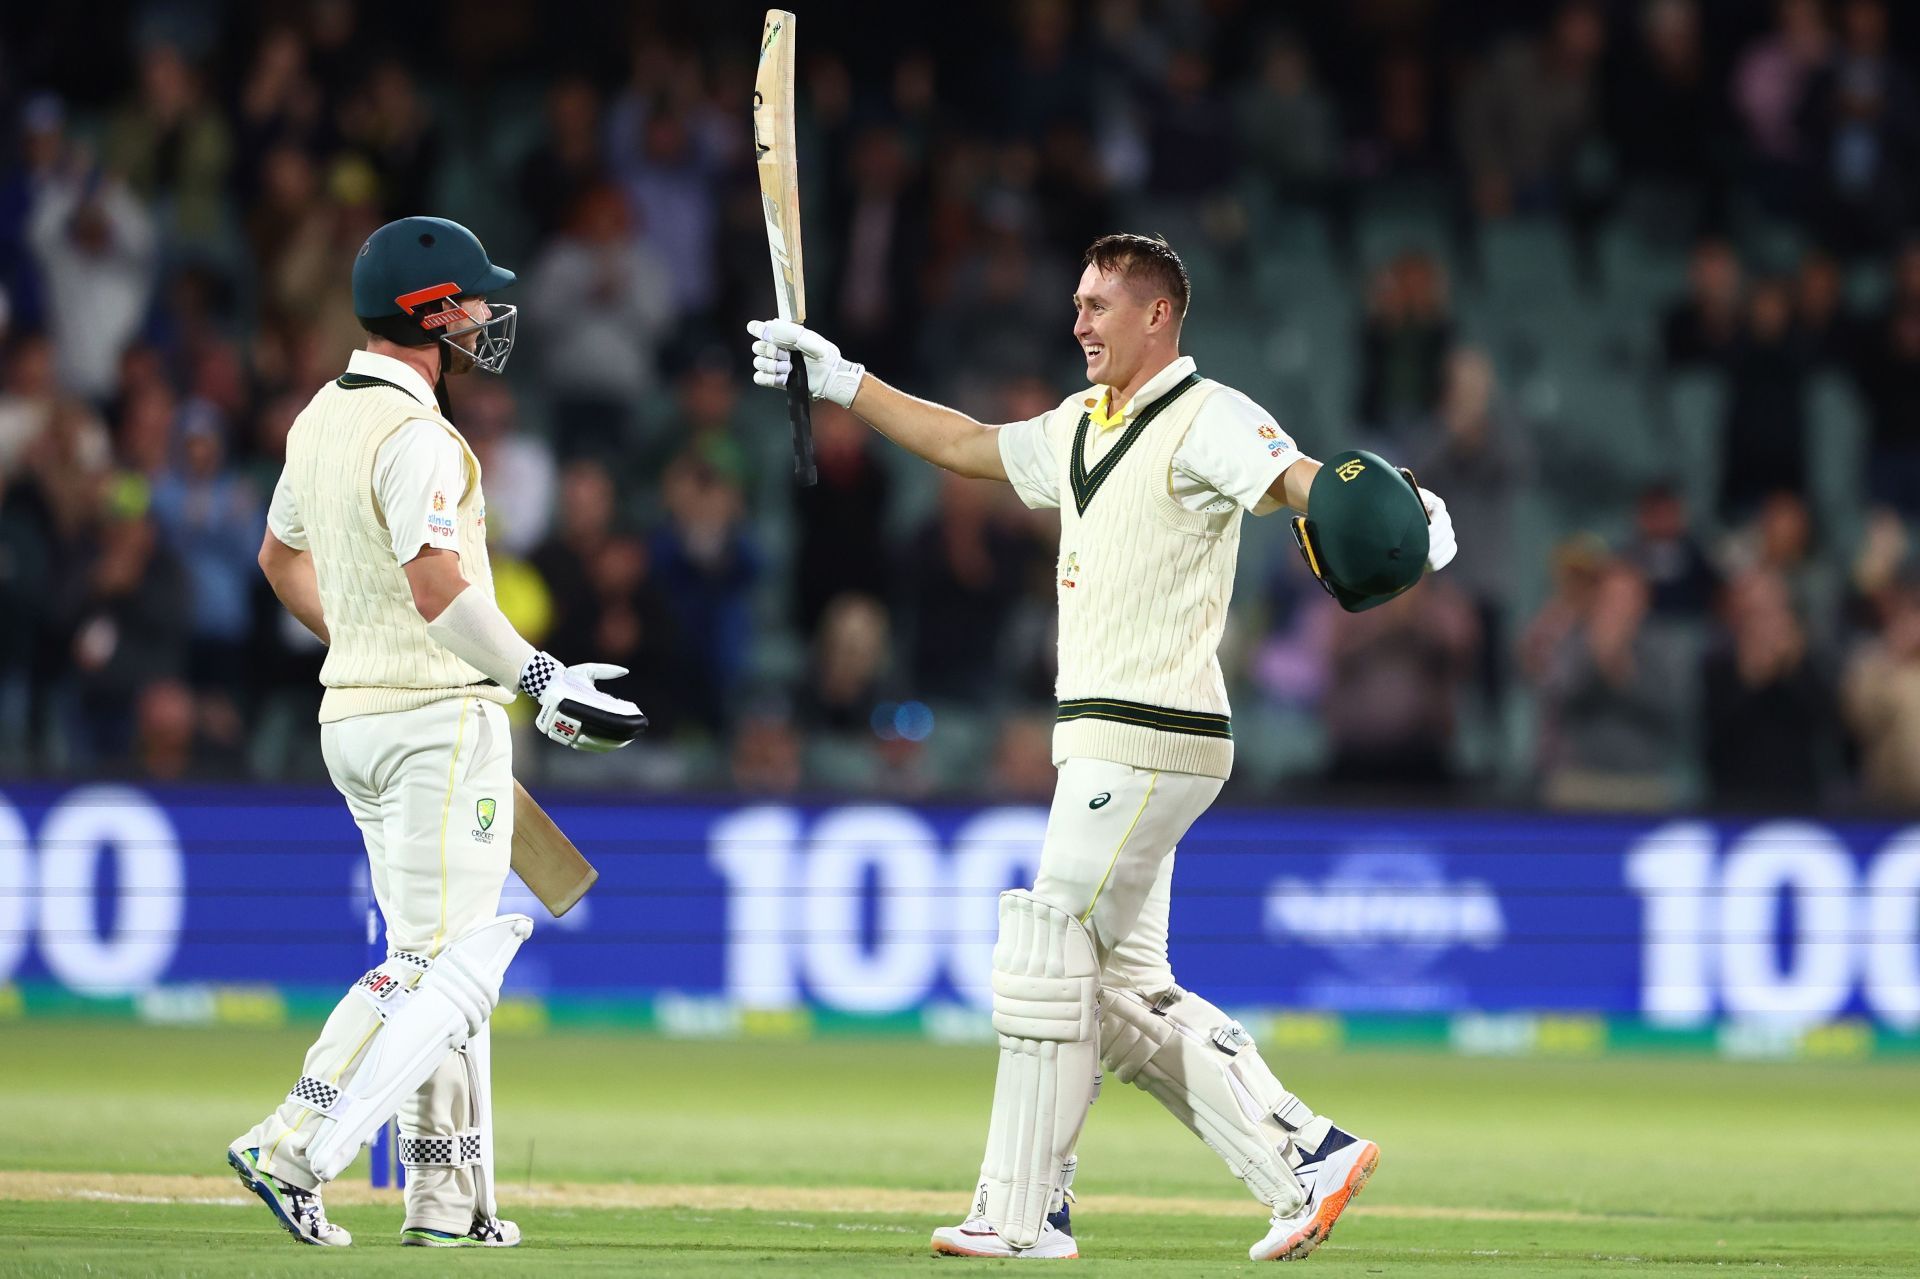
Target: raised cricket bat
779, 165
545, 859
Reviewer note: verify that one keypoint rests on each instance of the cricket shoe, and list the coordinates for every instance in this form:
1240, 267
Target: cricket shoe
1332, 1175
299, 1211
975, 1238
486, 1232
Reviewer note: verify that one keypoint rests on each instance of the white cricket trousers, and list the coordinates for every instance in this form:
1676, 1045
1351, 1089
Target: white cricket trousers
1108, 859
432, 792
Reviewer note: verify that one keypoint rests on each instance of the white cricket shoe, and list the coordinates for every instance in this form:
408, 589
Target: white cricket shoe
1332, 1175
298, 1211
975, 1238
486, 1232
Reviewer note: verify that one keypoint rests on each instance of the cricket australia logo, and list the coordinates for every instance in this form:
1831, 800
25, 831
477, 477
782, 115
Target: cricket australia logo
483, 812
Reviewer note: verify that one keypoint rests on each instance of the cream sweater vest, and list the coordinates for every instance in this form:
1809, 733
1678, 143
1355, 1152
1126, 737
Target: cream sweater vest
1143, 586
379, 655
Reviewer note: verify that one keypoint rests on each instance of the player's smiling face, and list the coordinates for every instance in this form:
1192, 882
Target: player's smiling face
1110, 323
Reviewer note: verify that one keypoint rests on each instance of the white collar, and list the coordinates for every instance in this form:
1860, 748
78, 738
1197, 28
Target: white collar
398, 372
1157, 385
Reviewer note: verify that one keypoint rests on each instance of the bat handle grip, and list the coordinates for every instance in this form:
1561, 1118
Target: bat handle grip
800, 415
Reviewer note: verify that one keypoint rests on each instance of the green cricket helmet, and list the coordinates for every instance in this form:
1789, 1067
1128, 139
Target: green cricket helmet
1365, 532
405, 280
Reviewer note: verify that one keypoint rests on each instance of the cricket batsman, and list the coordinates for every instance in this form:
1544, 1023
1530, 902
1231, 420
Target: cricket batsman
1150, 467
377, 542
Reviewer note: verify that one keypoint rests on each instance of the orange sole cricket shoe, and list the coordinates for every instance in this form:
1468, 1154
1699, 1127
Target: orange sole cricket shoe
1332, 1175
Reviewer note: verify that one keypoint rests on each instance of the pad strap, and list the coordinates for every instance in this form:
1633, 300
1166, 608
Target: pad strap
456, 1151
316, 1095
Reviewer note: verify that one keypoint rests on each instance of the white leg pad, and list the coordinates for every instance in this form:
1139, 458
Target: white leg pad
449, 1004
1203, 1066
1046, 1008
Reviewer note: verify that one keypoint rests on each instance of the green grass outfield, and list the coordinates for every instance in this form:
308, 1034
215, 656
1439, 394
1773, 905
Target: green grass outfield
625, 1153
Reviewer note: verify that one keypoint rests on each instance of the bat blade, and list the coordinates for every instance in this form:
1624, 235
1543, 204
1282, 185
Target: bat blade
778, 161
545, 859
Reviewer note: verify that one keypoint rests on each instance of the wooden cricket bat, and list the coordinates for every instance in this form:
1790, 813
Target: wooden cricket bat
545, 859
779, 165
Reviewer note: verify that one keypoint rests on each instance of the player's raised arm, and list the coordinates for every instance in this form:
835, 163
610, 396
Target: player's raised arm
946, 437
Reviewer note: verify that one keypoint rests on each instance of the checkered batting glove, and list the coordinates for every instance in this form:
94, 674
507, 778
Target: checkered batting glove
575, 713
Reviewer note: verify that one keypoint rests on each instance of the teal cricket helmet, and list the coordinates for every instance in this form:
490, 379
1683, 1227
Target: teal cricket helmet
405, 278
1364, 535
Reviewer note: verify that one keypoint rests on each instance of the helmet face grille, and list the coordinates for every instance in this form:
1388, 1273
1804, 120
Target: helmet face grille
492, 339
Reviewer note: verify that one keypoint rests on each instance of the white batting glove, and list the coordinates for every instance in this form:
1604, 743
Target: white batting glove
829, 375
1441, 546
575, 713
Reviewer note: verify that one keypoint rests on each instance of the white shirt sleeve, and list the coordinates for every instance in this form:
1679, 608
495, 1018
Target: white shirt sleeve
418, 478
283, 516
1027, 451
1235, 449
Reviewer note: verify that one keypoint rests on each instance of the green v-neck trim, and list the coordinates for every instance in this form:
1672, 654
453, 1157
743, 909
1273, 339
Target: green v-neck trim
1086, 483
361, 381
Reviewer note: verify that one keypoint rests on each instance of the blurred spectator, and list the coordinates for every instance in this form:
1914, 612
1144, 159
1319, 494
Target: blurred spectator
881, 253
44, 160
705, 561
1888, 373
1703, 328
126, 625
280, 104
96, 249
567, 162
1613, 694
1479, 458
706, 419
599, 301
850, 658
1764, 438
766, 757
1288, 127
174, 148
211, 518
1670, 112
387, 123
1522, 120
628, 620
1396, 673
1861, 118
1882, 703
27, 395
669, 177
1404, 342
1669, 557
518, 467
1779, 540
988, 327
955, 590
1769, 716
1190, 137
1827, 334
584, 527
1769, 85
1400, 139
163, 747
1023, 759
842, 547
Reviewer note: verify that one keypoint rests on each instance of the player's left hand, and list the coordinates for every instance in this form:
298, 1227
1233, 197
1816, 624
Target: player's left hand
1441, 546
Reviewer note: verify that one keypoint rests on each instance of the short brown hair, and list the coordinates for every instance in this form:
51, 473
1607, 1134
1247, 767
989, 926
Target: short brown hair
1147, 258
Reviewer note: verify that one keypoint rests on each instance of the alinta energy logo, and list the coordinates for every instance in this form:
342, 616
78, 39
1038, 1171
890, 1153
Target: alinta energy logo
1385, 912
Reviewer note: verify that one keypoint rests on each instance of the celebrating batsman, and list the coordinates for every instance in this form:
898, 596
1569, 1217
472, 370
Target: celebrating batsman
1150, 467
376, 541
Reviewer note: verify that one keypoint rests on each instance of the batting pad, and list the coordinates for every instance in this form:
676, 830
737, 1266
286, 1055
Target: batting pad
447, 1007
1046, 1008
1204, 1067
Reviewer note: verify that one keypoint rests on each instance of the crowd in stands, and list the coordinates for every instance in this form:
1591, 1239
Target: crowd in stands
1634, 285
